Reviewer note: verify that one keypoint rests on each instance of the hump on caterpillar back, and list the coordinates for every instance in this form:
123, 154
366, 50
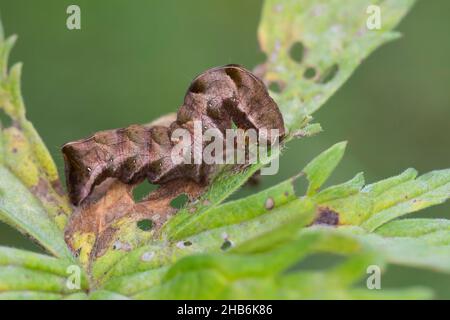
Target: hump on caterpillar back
253, 107
241, 93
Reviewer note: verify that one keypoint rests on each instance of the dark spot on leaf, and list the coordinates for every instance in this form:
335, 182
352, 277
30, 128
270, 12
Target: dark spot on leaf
309, 73
329, 74
297, 51
145, 224
226, 245
327, 216
187, 243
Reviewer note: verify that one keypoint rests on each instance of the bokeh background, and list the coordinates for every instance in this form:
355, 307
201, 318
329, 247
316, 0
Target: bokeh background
133, 60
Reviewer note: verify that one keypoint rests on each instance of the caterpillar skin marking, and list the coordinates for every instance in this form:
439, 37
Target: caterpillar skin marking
218, 97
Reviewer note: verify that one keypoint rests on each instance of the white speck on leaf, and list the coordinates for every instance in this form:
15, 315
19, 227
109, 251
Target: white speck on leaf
147, 256
180, 245
269, 204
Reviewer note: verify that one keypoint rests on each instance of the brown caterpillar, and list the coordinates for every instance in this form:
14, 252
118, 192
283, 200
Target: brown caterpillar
218, 97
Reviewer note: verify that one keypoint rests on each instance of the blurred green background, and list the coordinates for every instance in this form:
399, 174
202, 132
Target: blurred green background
133, 60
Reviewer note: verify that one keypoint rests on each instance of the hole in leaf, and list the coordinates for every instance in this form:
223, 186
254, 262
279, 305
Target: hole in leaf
179, 201
275, 86
145, 224
309, 73
329, 74
226, 245
5, 120
143, 189
296, 52
117, 245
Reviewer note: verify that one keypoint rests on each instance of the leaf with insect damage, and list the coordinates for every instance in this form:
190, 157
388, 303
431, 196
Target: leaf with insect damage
331, 210
313, 47
231, 218
247, 274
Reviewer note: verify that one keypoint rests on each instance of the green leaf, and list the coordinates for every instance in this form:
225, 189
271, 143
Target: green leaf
276, 237
411, 252
244, 276
260, 244
19, 279
318, 170
237, 211
413, 195
249, 227
19, 208
34, 261
335, 40
31, 272
257, 229
414, 227
381, 202
159, 254
132, 284
343, 190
